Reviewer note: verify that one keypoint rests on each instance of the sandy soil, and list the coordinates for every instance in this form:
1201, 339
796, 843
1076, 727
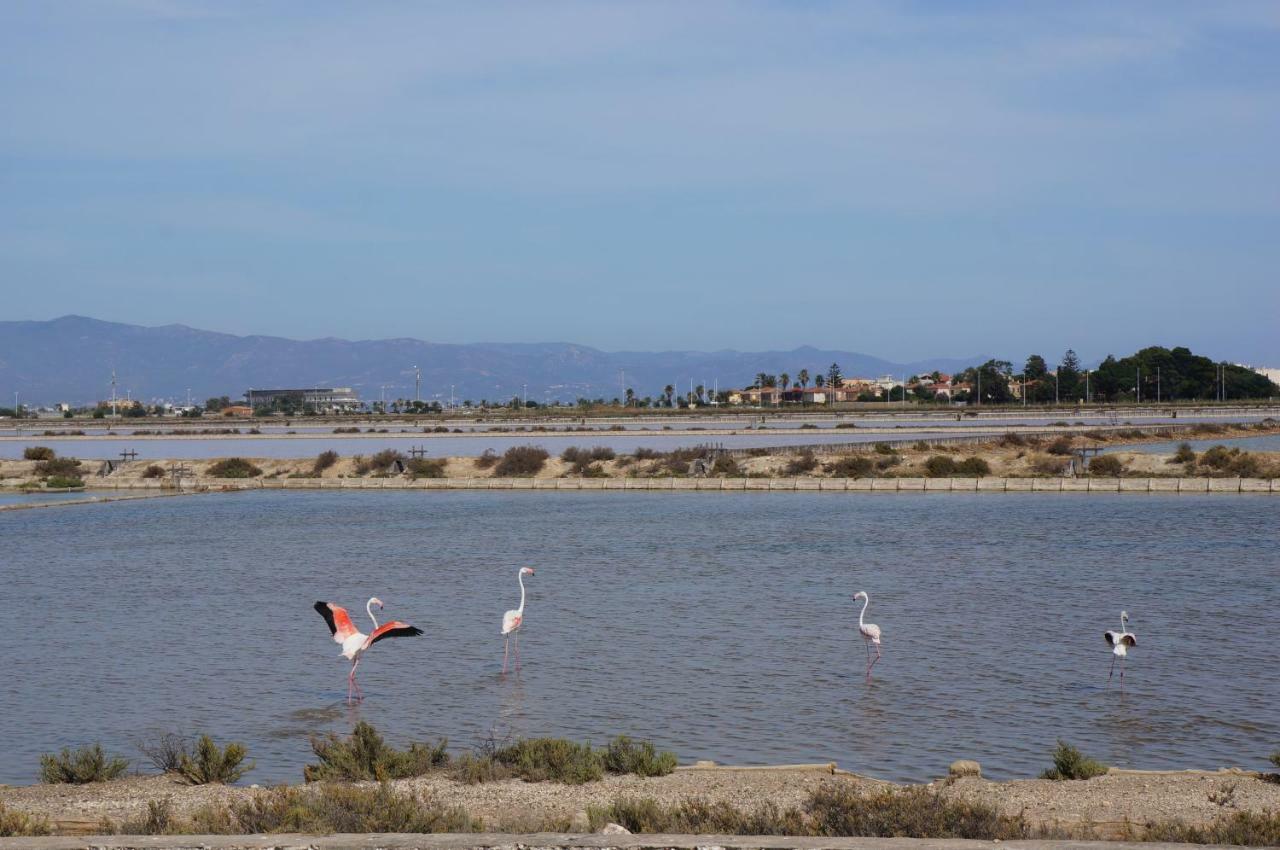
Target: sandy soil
1101, 806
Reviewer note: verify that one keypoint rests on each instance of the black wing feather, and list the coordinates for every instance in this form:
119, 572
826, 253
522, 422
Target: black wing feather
323, 609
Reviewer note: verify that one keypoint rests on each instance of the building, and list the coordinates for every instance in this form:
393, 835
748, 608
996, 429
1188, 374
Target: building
1271, 374
236, 410
327, 399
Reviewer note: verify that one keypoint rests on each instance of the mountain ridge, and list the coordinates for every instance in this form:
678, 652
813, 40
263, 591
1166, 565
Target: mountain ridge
70, 359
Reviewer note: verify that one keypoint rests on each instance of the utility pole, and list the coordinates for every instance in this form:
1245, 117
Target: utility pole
417, 384
113, 393
1055, 388
1157, 385
525, 391
1138, 382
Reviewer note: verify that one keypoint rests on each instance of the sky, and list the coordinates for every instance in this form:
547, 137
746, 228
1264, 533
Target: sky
905, 179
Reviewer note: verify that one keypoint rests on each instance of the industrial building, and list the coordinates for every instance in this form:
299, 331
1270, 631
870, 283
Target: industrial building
325, 399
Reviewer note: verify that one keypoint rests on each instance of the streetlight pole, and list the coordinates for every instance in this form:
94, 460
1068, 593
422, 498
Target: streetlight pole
1055, 388
417, 384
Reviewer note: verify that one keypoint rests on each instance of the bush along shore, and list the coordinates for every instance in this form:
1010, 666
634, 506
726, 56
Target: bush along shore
360, 784
1013, 456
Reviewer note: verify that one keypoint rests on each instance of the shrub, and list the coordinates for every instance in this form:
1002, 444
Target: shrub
378, 462
421, 467
521, 461
1070, 763
555, 759
974, 466
1256, 829
1217, 457
165, 751
207, 764
66, 467
695, 816
1060, 446
20, 825
486, 460
921, 446
1046, 465
154, 470
853, 466
1184, 454
366, 756
939, 466
624, 755
324, 460
332, 808
802, 463
63, 482
1012, 439
81, 766
884, 449
838, 810
1275, 758
233, 467
1106, 466
157, 821
38, 453
576, 455
886, 461
645, 454
726, 466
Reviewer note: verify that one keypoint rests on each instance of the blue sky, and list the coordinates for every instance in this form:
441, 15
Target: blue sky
904, 179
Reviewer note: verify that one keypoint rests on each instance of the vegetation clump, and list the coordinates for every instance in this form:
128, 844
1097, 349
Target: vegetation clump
81, 766
552, 759
1060, 446
623, 755
64, 482
802, 463
207, 763
59, 467
940, 466
521, 461
1106, 466
233, 467
1184, 454
324, 461
586, 462
366, 756
487, 460
974, 466
38, 453
852, 466
1249, 829
421, 467
1070, 763
153, 470
726, 467
20, 825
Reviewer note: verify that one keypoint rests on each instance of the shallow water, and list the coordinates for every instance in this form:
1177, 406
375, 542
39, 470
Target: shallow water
719, 625
1263, 443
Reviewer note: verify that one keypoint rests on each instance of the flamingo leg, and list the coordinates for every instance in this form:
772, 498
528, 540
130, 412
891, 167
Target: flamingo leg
1113, 669
873, 663
352, 684
506, 643
517, 652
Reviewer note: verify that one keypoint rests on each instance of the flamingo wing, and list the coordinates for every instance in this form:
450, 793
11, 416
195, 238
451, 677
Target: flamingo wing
393, 629
872, 631
1129, 639
338, 620
1112, 638
511, 621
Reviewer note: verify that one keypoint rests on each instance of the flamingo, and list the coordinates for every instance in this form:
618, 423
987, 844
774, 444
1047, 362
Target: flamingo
354, 643
512, 620
1120, 642
870, 631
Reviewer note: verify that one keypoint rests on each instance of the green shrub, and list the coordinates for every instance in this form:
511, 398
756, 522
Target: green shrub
21, 825
646, 454
576, 455
939, 466
624, 755
1070, 763
365, 756
1184, 454
81, 766
973, 466
1106, 466
802, 463
884, 449
154, 470
63, 482
521, 462
324, 460
1275, 758
554, 759
1217, 457
38, 453
839, 810
421, 467
233, 467
207, 764
852, 466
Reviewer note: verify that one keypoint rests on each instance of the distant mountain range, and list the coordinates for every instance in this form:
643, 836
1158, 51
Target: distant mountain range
70, 359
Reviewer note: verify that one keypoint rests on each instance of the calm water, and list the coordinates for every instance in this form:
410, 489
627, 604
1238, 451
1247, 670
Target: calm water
720, 626
1264, 443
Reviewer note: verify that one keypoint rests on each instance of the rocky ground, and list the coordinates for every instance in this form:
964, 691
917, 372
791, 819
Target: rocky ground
1100, 807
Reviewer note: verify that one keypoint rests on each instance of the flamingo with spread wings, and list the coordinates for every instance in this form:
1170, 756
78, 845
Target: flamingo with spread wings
354, 642
512, 620
1120, 642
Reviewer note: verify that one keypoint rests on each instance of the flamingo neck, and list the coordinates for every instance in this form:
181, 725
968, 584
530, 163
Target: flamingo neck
368, 606
520, 578
866, 600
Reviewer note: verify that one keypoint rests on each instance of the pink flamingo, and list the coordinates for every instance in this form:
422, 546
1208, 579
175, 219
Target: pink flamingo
870, 631
512, 620
1120, 642
354, 643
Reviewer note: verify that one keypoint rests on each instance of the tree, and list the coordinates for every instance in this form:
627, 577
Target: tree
818, 380
698, 392
668, 391
834, 378
1070, 386
631, 396
1035, 368
784, 381
803, 378
993, 379
761, 377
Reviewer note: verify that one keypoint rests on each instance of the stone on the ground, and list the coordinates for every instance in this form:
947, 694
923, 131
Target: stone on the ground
614, 829
965, 767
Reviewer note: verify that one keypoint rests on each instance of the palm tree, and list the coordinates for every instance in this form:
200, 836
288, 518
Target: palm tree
761, 377
699, 390
631, 396
668, 391
803, 378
